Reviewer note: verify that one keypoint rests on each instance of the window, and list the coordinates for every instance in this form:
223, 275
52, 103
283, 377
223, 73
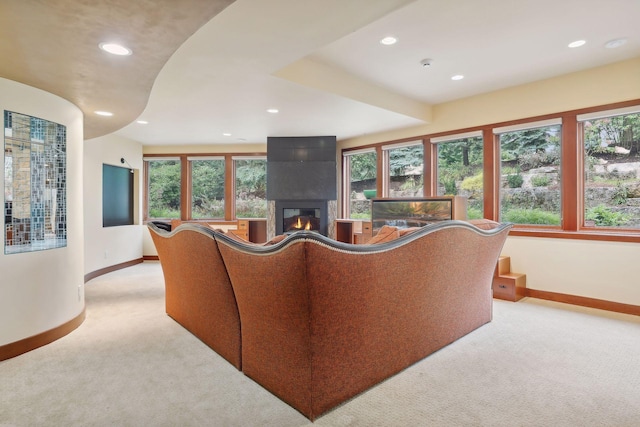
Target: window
460, 169
163, 187
360, 171
403, 168
35, 196
207, 187
574, 174
530, 173
611, 168
251, 187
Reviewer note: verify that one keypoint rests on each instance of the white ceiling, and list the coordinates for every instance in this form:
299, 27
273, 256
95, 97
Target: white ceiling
320, 62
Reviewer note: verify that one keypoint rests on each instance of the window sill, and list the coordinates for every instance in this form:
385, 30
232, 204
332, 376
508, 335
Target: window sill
600, 234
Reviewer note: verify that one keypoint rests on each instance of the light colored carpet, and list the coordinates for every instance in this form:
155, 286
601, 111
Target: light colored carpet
536, 364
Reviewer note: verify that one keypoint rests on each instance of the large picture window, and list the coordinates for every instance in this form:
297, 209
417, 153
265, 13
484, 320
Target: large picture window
207, 187
163, 187
251, 187
611, 168
460, 169
403, 167
218, 187
361, 171
35, 184
572, 174
530, 173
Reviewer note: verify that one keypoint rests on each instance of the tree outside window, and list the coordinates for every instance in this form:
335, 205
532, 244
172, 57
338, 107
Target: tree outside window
164, 188
361, 177
460, 172
207, 188
406, 165
251, 188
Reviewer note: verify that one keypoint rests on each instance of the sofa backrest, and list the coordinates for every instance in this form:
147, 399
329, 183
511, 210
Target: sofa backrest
324, 320
199, 294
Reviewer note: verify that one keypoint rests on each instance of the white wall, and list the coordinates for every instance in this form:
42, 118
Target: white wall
587, 268
108, 246
597, 86
44, 289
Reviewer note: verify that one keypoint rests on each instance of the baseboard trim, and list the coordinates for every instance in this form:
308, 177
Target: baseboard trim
584, 301
17, 348
151, 258
111, 268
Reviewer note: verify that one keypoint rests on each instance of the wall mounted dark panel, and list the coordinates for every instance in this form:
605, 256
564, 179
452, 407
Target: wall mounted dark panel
301, 168
117, 196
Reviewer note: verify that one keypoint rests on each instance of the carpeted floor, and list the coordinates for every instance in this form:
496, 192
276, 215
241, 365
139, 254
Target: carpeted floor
536, 364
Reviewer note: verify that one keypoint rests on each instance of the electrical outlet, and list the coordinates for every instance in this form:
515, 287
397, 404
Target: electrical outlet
106, 254
79, 293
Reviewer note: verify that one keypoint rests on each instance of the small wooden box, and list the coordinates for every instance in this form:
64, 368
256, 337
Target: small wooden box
510, 287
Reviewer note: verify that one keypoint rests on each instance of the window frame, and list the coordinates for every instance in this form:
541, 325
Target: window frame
571, 166
386, 163
190, 160
436, 142
234, 158
530, 125
346, 175
581, 189
185, 183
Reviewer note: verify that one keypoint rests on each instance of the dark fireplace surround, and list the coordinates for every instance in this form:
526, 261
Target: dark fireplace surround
301, 180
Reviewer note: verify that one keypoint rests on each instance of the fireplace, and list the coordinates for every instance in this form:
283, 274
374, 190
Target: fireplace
301, 184
295, 215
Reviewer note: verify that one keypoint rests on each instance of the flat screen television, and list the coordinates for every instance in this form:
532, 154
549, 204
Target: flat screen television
117, 196
414, 212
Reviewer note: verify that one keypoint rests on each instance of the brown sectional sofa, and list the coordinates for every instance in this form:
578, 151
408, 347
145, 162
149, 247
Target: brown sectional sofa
319, 321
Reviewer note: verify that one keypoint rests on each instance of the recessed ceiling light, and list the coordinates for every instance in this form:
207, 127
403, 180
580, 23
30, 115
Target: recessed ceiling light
457, 77
115, 49
388, 41
272, 110
612, 44
104, 113
577, 43
142, 122
241, 140
226, 134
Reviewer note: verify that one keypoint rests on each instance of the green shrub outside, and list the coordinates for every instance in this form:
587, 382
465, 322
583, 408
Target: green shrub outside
531, 216
474, 213
361, 215
515, 181
163, 213
473, 184
605, 217
540, 181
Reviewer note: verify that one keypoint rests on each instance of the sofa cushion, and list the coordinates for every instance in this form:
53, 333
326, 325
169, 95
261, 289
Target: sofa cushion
388, 233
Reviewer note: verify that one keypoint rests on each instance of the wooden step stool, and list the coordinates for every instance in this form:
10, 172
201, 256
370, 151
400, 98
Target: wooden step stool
507, 285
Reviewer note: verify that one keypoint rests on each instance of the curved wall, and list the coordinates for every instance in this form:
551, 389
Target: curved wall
110, 246
43, 290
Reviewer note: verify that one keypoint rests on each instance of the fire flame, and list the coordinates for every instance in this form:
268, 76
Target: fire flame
299, 225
